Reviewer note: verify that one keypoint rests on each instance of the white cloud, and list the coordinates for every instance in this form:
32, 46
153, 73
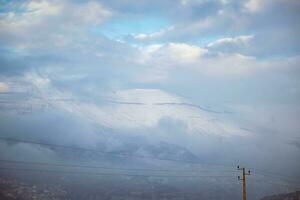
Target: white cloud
91, 13
50, 23
35, 12
184, 2
40, 8
239, 40
151, 75
187, 29
172, 54
165, 57
228, 65
145, 96
38, 81
280, 120
254, 5
286, 65
4, 87
152, 36
183, 53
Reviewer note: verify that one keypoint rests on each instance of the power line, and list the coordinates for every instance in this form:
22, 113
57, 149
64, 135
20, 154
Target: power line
104, 167
131, 175
126, 155
109, 174
275, 175
284, 179
274, 183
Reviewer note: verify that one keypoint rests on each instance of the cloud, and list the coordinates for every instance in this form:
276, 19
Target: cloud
161, 118
205, 61
176, 52
92, 13
56, 62
230, 42
239, 40
171, 54
272, 34
255, 6
152, 36
129, 109
144, 108
49, 23
194, 29
3, 87
36, 12
42, 8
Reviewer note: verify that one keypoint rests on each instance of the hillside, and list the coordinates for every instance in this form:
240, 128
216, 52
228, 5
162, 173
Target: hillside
288, 196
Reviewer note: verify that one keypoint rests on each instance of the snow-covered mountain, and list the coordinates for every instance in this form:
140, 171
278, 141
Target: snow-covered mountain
144, 108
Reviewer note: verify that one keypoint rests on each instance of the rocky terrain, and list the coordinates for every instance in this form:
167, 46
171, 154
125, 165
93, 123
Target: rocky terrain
288, 196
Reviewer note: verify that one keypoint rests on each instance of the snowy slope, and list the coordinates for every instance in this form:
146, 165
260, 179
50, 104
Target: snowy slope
144, 108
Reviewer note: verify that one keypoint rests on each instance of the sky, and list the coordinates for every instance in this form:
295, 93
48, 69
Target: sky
203, 74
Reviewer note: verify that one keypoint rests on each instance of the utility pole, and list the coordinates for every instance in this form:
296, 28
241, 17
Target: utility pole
244, 174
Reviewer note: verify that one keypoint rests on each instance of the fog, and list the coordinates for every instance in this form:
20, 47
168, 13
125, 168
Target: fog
149, 100
170, 145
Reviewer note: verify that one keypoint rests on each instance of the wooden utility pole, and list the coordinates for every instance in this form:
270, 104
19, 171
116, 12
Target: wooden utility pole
244, 174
